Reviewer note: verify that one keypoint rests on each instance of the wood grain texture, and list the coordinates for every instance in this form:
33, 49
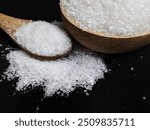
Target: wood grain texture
10, 24
101, 42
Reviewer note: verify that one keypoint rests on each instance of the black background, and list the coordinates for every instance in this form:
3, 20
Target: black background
121, 91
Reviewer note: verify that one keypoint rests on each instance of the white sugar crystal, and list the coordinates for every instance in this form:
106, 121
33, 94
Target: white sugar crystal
112, 17
141, 57
80, 69
43, 38
144, 98
132, 68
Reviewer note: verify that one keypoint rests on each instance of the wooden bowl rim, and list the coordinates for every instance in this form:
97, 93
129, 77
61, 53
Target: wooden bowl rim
72, 21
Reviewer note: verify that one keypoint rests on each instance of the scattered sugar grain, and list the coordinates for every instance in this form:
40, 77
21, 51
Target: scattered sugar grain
141, 57
43, 38
144, 98
2, 51
81, 68
37, 109
1, 80
112, 17
132, 68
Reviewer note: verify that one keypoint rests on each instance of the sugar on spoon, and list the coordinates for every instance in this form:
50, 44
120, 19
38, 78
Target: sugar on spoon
10, 25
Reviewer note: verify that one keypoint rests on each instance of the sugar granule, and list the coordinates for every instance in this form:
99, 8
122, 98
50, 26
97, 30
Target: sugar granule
43, 38
144, 98
112, 17
80, 69
141, 57
132, 68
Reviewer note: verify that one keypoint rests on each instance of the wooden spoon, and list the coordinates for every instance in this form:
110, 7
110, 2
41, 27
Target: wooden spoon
101, 42
10, 24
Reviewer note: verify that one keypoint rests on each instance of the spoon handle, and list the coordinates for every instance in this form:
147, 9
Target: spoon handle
10, 24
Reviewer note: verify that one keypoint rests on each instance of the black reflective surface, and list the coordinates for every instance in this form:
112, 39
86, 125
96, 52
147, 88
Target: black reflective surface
121, 91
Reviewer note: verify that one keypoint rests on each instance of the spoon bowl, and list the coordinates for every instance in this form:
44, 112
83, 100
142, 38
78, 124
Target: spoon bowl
10, 24
101, 42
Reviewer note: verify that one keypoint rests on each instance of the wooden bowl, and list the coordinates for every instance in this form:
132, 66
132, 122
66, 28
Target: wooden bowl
101, 42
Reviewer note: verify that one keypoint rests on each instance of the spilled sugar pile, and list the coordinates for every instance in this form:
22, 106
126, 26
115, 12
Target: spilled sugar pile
43, 38
81, 68
113, 17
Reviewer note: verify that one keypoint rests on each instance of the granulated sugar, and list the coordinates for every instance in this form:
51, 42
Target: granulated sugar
81, 68
112, 17
144, 98
132, 68
43, 38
